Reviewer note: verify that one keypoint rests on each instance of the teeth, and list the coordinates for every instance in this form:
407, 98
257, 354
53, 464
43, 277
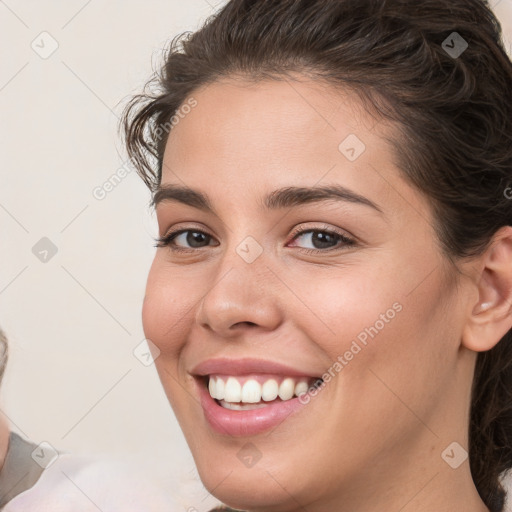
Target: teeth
220, 389
301, 387
251, 392
230, 391
241, 407
212, 388
286, 389
233, 391
270, 390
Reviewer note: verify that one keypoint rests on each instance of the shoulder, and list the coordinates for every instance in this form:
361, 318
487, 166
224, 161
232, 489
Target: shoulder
79, 483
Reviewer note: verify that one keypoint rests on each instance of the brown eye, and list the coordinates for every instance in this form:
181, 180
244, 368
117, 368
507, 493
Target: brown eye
184, 240
321, 240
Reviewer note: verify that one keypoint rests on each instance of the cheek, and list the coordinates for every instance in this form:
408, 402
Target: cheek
168, 304
370, 324
166, 317
402, 347
345, 307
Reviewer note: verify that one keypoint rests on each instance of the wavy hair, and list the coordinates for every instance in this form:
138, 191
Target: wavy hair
454, 113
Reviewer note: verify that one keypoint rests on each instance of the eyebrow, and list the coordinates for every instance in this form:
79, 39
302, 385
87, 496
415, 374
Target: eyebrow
281, 198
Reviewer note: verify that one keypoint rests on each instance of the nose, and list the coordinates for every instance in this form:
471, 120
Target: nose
241, 296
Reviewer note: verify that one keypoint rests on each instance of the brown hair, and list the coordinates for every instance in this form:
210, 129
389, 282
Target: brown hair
454, 113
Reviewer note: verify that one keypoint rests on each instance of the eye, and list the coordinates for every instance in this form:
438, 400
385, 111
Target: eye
184, 240
319, 239
322, 239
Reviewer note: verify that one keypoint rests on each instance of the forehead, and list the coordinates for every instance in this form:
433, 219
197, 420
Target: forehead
246, 138
278, 113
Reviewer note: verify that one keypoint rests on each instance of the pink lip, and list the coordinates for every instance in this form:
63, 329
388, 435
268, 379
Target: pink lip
246, 366
244, 423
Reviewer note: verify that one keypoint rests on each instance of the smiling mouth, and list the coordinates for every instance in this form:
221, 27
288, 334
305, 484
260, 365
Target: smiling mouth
243, 393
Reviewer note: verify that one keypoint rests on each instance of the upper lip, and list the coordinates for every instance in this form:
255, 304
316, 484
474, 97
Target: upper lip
246, 366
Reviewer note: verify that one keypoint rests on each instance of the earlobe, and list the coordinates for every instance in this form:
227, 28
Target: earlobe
491, 315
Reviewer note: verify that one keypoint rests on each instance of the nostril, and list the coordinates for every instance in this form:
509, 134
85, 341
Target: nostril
248, 324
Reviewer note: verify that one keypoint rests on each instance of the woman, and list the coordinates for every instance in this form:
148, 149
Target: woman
331, 294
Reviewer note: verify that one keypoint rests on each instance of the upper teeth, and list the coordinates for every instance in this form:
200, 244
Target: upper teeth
251, 391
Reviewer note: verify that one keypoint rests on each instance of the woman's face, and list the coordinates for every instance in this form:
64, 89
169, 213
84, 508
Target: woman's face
359, 296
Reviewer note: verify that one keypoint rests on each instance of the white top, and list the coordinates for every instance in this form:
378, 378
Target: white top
74, 483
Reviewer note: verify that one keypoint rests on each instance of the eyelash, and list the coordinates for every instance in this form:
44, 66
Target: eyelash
166, 241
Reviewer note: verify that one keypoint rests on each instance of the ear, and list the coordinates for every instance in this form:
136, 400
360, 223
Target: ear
491, 315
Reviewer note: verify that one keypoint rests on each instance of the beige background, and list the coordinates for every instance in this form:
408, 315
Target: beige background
74, 320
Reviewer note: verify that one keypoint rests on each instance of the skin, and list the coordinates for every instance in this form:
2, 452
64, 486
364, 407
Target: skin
372, 439
4, 440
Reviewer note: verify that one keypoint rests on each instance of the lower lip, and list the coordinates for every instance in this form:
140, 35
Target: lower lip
245, 423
